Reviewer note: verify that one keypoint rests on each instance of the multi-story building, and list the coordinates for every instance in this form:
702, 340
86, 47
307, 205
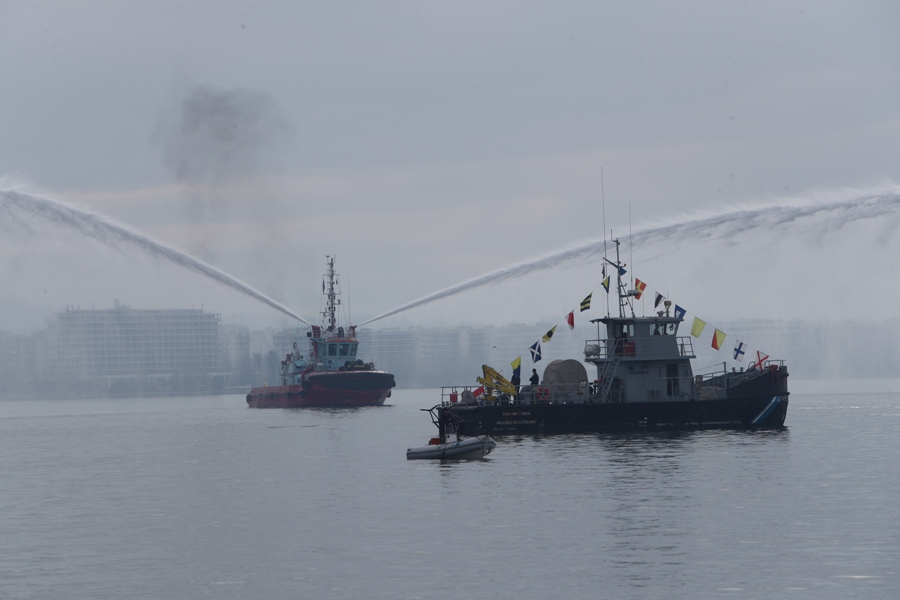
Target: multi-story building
130, 351
16, 357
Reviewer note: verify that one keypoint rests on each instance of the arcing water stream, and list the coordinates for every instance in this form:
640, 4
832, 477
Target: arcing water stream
107, 232
870, 217
813, 217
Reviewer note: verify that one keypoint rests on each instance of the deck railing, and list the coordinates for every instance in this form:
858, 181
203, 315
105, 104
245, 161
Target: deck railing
735, 376
545, 393
625, 347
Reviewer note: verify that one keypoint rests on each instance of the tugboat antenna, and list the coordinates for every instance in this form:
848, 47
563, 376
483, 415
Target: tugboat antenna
331, 300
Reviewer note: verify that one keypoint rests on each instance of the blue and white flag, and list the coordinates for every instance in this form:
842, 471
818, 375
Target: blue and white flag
536, 352
679, 312
739, 351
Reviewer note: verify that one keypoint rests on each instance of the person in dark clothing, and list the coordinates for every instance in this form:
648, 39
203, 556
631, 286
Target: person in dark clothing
534, 377
516, 381
446, 426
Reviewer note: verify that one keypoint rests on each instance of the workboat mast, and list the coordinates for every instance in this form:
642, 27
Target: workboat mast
624, 295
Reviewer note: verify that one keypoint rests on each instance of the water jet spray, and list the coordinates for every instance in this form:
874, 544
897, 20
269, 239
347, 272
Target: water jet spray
112, 234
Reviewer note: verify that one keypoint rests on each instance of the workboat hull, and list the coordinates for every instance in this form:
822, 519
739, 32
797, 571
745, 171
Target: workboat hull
735, 413
339, 389
465, 449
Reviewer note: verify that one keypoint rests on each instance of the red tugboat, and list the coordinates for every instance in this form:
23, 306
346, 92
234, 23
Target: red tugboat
329, 374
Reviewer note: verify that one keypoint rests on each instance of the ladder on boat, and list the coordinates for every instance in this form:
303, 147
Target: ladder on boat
606, 377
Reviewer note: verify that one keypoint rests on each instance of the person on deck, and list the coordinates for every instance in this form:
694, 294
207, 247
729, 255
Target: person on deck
446, 426
534, 377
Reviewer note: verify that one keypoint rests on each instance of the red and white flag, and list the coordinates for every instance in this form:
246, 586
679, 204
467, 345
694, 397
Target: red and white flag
760, 360
570, 319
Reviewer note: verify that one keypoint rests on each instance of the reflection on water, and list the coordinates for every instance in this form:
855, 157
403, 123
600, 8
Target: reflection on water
172, 501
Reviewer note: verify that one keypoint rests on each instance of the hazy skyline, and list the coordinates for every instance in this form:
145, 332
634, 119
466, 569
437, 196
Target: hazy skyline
425, 144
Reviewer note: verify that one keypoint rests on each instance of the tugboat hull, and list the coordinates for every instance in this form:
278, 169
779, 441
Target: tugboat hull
327, 389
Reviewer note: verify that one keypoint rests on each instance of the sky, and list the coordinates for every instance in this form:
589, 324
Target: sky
425, 144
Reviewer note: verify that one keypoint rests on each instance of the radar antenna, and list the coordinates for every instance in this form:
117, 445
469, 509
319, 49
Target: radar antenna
331, 296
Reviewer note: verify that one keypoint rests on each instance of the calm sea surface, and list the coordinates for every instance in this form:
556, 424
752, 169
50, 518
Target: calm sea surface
204, 498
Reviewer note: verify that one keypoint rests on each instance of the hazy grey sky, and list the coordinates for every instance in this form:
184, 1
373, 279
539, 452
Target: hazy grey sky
423, 143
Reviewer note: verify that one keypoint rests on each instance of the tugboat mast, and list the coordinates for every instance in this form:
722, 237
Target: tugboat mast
331, 299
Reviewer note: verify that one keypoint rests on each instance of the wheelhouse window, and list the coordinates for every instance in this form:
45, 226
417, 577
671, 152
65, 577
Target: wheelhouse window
625, 330
624, 342
343, 349
332, 349
665, 329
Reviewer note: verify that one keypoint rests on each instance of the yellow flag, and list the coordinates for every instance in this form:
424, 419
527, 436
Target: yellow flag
548, 335
697, 329
516, 363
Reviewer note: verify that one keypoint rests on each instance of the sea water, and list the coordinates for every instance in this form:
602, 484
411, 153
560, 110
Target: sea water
203, 498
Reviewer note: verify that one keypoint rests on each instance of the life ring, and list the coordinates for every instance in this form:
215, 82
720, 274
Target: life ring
542, 394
